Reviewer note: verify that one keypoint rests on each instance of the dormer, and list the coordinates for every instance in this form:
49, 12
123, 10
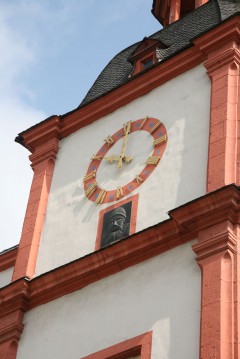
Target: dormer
168, 11
145, 55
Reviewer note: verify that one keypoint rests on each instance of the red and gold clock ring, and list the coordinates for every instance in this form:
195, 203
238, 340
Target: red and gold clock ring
159, 137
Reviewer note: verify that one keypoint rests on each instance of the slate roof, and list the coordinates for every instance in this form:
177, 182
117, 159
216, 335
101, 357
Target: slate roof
176, 37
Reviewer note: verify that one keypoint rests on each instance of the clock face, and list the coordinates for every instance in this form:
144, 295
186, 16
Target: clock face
125, 161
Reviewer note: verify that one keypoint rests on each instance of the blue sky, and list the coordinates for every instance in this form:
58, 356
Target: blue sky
51, 53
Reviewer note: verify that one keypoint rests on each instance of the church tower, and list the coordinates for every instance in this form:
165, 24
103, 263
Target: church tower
130, 243
168, 11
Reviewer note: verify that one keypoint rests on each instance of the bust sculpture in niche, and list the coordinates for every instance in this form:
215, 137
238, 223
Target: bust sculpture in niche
116, 224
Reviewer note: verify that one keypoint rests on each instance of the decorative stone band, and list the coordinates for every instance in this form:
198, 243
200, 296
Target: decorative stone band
8, 258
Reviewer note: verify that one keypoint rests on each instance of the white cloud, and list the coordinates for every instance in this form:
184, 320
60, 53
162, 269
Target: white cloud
30, 33
15, 116
35, 36
16, 173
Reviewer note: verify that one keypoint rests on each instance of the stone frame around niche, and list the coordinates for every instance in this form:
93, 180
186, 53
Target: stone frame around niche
130, 204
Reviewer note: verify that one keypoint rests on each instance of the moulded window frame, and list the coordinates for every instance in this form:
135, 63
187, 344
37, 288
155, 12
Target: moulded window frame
140, 345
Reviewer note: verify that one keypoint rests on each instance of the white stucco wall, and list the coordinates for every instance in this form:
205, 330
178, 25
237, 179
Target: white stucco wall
6, 277
183, 105
162, 294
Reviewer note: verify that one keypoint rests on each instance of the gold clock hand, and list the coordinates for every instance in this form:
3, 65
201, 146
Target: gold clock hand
127, 129
113, 158
127, 158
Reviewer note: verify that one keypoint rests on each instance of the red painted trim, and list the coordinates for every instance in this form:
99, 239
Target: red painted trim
8, 258
168, 11
199, 3
140, 345
134, 200
13, 300
115, 99
184, 225
217, 257
214, 218
205, 217
161, 11
223, 65
43, 161
174, 13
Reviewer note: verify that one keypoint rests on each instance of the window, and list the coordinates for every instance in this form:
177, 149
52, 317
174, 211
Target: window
147, 63
145, 55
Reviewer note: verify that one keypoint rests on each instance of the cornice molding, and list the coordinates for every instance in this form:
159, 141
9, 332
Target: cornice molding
41, 133
220, 36
8, 258
219, 209
107, 261
218, 206
60, 127
14, 297
133, 89
183, 226
219, 243
137, 87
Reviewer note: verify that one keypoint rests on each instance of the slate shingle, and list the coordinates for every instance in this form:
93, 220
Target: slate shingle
176, 37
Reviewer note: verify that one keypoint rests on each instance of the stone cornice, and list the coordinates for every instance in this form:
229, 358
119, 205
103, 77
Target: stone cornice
220, 36
184, 225
61, 127
218, 206
8, 258
41, 133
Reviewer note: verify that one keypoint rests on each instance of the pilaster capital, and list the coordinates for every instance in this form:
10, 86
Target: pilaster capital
46, 151
14, 297
228, 58
11, 332
221, 45
215, 243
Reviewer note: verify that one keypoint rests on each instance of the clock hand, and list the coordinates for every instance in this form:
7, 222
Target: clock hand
127, 129
112, 158
127, 158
